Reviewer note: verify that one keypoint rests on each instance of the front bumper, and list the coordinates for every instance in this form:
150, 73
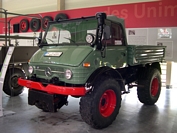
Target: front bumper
53, 89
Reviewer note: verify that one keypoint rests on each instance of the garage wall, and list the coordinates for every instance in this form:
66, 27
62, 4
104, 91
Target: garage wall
29, 6
37, 6
73, 4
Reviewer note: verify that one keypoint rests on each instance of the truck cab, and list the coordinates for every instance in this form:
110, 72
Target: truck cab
73, 49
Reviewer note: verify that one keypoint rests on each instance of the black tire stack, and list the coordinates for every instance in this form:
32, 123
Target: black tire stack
36, 24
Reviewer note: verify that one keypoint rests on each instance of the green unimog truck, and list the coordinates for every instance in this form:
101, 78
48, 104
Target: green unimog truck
89, 58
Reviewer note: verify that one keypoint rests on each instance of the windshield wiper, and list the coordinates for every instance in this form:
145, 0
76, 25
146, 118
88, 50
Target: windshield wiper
70, 39
50, 40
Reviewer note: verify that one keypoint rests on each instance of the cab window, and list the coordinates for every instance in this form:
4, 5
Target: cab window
116, 34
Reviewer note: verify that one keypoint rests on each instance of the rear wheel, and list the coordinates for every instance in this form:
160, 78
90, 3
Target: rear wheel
100, 107
11, 87
149, 86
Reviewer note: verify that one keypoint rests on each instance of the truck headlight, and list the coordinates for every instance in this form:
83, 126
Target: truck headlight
68, 74
89, 38
30, 69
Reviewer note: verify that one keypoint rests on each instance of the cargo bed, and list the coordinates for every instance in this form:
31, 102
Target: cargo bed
142, 54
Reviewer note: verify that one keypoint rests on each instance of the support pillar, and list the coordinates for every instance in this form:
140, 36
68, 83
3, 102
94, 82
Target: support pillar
169, 75
60, 5
3, 73
1, 7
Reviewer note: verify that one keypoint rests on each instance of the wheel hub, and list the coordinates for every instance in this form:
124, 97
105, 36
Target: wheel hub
103, 102
46, 23
154, 86
107, 103
34, 24
14, 80
23, 25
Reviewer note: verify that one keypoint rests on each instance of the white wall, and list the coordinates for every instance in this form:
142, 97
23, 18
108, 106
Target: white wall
29, 6
173, 74
150, 36
38, 6
73, 4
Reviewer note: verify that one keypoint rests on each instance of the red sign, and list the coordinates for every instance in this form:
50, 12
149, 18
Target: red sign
147, 14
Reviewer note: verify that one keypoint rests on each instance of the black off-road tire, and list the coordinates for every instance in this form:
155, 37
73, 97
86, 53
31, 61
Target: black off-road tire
45, 21
149, 86
61, 16
35, 24
100, 107
11, 86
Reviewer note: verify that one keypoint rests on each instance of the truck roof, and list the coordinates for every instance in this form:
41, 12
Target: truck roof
112, 18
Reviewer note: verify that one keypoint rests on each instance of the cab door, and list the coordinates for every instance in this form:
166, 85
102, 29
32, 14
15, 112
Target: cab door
115, 52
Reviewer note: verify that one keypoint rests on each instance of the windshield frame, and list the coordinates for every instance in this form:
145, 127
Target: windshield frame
43, 43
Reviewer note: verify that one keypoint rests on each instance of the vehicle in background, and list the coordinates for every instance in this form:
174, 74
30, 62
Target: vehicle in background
18, 66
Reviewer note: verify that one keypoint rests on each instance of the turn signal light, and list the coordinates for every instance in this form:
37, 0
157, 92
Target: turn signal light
86, 64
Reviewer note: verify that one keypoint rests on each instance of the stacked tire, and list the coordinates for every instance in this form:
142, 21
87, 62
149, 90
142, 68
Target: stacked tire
35, 24
45, 22
24, 25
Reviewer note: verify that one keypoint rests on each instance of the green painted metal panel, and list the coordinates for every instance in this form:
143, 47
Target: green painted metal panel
72, 58
115, 56
144, 54
70, 55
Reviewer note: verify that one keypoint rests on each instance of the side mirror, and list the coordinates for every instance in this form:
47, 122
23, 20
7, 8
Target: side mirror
107, 32
40, 35
38, 40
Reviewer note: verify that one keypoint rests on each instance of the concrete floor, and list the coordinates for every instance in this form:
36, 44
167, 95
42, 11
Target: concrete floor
134, 117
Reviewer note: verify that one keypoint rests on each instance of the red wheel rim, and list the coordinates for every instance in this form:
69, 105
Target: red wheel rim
34, 24
154, 87
107, 103
46, 23
23, 25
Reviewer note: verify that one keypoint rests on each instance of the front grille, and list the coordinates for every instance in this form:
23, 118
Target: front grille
55, 70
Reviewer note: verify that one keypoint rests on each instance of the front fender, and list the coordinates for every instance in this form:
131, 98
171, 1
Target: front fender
105, 71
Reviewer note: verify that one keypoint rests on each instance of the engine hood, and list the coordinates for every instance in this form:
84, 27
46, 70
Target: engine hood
62, 55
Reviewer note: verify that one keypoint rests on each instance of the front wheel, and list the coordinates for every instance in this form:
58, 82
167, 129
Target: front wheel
11, 87
100, 107
149, 86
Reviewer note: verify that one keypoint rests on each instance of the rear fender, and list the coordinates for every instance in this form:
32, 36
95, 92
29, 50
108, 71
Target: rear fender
157, 66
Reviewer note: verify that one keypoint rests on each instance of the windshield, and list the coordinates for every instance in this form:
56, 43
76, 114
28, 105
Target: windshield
70, 31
